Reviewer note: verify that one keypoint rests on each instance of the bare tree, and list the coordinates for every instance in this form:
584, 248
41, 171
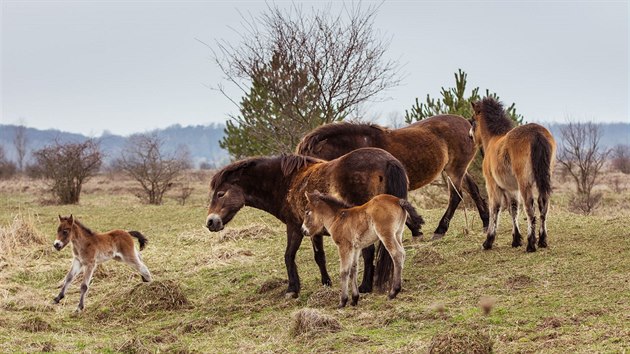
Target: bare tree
582, 158
7, 168
145, 160
621, 158
20, 142
68, 166
341, 56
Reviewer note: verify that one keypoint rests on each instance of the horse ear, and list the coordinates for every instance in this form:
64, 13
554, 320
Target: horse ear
71, 219
60, 218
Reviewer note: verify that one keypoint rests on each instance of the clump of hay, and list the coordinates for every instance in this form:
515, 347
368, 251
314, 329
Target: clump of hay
155, 296
202, 325
486, 303
427, 256
271, 285
34, 324
311, 321
325, 296
255, 231
451, 342
519, 281
22, 232
133, 345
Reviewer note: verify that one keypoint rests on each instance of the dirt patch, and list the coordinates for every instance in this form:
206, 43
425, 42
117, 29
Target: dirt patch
519, 281
427, 257
325, 296
134, 345
255, 231
311, 321
551, 322
35, 324
473, 342
202, 325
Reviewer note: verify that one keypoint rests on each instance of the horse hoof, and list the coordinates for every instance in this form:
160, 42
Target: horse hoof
531, 249
417, 239
516, 244
437, 236
291, 295
487, 246
363, 289
542, 244
327, 282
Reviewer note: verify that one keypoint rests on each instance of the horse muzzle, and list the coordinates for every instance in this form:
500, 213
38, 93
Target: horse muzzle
305, 231
58, 245
214, 223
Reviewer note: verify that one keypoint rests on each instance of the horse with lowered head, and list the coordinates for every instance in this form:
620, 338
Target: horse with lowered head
277, 186
515, 161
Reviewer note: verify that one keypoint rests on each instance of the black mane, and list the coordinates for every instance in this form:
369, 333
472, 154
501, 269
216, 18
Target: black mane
374, 131
334, 202
288, 164
496, 119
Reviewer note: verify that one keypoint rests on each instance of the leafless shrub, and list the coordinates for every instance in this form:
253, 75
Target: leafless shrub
582, 158
621, 158
20, 142
145, 161
68, 166
7, 168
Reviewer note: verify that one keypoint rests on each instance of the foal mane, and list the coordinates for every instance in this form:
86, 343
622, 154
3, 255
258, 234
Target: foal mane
309, 141
334, 202
288, 164
495, 117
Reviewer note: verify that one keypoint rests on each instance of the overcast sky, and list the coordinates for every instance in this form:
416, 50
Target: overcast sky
132, 66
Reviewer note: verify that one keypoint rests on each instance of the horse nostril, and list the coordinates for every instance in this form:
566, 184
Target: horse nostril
210, 222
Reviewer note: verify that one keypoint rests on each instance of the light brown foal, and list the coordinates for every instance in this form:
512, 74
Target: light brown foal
354, 228
90, 249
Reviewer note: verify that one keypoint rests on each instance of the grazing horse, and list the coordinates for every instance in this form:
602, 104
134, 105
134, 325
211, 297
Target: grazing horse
425, 148
277, 185
354, 228
91, 248
515, 160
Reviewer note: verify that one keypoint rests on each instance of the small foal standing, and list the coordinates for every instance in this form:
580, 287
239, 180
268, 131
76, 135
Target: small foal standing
515, 161
90, 249
354, 228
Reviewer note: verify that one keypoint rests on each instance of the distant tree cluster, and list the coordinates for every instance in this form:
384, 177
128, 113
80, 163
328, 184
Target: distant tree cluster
7, 167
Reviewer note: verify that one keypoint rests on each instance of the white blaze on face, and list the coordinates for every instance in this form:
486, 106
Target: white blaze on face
305, 230
58, 244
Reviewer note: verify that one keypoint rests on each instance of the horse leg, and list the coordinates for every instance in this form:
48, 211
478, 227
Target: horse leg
136, 262
74, 270
528, 201
543, 205
368, 269
320, 258
517, 239
391, 240
482, 206
345, 267
453, 201
353, 277
87, 278
294, 239
495, 209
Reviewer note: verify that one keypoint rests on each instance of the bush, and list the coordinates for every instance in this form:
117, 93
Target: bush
7, 168
621, 158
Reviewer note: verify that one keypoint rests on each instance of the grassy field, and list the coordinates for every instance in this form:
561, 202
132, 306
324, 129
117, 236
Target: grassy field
225, 292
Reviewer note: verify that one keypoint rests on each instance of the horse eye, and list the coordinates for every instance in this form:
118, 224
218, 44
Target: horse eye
308, 213
65, 232
220, 194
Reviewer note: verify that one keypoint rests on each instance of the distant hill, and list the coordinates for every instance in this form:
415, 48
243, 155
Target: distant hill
201, 140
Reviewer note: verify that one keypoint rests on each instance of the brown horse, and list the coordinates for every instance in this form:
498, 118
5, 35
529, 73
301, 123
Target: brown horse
277, 186
425, 148
515, 160
90, 249
354, 228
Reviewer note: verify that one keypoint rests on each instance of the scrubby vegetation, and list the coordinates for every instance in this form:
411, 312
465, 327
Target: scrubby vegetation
224, 292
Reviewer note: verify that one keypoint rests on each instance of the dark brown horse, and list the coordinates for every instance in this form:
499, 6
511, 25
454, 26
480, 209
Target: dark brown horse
515, 160
277, 185
426, 148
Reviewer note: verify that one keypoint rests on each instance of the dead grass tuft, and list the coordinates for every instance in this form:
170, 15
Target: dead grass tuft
427, 256
202, 325
272, 284
134, 345
325, 296
519, 281
308, 321
155, 296
255, 231
35, 324
19, 234
452, 342
551, 322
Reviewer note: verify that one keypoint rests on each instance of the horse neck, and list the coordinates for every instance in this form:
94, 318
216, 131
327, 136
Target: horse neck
330, 214
270, 195
78, 236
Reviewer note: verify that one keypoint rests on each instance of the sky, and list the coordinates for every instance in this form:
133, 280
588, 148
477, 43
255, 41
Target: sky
133, 66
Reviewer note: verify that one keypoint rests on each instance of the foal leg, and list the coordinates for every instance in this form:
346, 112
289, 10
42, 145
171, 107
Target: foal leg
320, 258
543, 205
453, 201
391, 240
87, 278
353, 277
74, 270
512, 202
528, 201
345, 267
471, 187
495, 209
136, 262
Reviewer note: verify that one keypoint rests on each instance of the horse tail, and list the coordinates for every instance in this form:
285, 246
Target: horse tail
141, 239
416, 219
541, 163
396, 177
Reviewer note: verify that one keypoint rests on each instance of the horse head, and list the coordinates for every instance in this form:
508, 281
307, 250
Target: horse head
64, 232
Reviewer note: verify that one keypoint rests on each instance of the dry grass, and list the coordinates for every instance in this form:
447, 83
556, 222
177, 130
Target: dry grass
459, 341
309, 322
255, 231
21, 233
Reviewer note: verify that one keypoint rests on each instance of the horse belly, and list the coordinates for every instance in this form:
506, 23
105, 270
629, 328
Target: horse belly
506, 180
